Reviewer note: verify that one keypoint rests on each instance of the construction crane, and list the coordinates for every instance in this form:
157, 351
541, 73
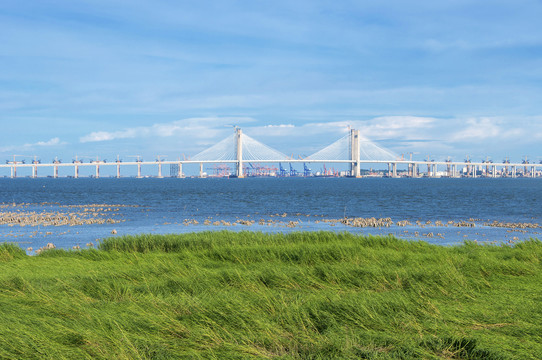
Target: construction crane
159, 161
525, 161
467, 160
429, 172
487, 162
506, 161
77, 160
15, 162
138, 161
448, 167
137, 157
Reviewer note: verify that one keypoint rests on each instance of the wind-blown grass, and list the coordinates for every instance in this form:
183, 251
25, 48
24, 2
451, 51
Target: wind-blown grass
252, 295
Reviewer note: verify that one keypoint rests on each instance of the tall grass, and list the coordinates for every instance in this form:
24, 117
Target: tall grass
10, 251
253, 295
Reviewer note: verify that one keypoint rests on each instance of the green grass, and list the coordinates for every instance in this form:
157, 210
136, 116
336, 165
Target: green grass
289, 296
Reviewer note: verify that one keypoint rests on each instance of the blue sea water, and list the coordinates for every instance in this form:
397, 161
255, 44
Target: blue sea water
162, 205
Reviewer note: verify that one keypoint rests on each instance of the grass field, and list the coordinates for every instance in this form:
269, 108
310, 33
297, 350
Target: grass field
290, 296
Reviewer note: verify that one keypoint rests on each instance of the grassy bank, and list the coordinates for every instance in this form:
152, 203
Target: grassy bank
300, 295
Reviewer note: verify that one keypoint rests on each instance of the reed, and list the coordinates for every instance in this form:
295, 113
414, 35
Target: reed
290, 296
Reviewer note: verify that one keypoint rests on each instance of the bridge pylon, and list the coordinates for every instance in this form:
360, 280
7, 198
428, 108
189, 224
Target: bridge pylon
239, 152
355, 153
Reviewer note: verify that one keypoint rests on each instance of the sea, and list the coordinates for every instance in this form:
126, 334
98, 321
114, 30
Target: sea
445, 211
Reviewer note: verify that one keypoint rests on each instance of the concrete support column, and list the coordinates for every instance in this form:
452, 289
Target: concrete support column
180, 171
532, 172
239, 148
355, 169
55, 171
118, 170
394, 170
13, 172
159, 169
34, 171
200, 170
76, 171
513, 171
389, 169
454, 170
474, 171
414, 170
434, 170
494, 171
97, 171
139, 170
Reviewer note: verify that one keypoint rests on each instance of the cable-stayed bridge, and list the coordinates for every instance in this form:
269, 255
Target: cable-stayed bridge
352, 149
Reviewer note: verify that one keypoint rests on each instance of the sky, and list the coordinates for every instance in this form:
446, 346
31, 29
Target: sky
424, 79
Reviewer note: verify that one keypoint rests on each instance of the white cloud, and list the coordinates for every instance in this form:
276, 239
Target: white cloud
419, 135
49, 143
196, 128
279, 126
105, 136
478, 129
406, 127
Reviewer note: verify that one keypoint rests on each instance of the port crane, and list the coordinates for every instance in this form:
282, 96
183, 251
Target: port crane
306, 170
282, 171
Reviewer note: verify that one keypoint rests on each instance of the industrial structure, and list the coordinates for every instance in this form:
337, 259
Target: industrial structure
240, 149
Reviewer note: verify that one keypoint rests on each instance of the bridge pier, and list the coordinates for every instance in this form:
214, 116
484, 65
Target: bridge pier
159, 169
76, 171
55, 171
34, 171
97, 171
394, 170
139, 170
180, 170
118, 170
13, 172
514, 171
200, 170
494, 171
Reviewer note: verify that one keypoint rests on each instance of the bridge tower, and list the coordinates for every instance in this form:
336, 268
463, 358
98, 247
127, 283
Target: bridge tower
354, 153
239, 152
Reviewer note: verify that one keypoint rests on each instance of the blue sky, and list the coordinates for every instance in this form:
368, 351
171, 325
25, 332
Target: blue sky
432, 78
